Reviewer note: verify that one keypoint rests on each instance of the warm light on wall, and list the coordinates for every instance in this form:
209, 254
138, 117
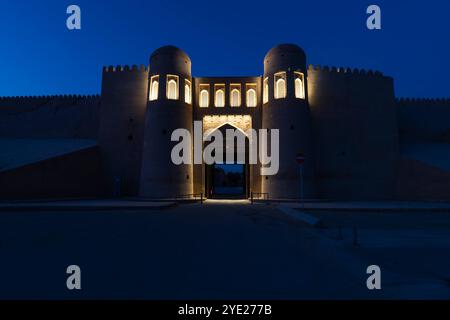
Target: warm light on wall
219, 97
280, 85
299, 85
172, 87
187, 91
251, 95
266, 90
242, 122
154, 86
204, 96
235, 95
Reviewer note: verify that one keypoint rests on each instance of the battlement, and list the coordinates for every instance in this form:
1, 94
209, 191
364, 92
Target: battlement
422, 101
346, 70
125, 68
50, 100
47, 97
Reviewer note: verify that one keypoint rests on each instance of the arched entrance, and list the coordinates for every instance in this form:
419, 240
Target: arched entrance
229, 179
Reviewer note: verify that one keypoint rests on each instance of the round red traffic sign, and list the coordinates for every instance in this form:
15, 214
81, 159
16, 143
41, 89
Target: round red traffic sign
300, 158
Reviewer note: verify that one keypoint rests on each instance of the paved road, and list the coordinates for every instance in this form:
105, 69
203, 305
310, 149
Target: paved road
413, 248
218, 250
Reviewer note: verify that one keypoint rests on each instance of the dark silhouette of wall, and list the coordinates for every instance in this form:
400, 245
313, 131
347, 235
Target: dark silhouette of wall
121, 126
76, 174
424, 120
350, 128
49, 117
355, 133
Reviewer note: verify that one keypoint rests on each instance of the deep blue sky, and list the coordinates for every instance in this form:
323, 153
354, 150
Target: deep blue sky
40, 56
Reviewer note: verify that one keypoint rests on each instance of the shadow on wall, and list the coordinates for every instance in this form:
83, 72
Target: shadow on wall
420, 181
49, 117
74, 175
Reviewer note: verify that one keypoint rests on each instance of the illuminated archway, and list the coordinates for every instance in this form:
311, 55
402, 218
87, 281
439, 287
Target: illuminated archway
240, 123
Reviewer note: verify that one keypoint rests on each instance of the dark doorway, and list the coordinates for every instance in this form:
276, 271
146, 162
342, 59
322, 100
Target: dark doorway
228, 181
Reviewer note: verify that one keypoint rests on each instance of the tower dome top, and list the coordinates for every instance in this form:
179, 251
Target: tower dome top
171, 51
285, 48
284, 57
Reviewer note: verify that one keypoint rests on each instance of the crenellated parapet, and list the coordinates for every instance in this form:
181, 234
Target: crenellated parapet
125, 68
424, 120
346, 88
124, 96
123, 82
51, 116
345, 71
422, 101
349, 108
48, 97
48, 100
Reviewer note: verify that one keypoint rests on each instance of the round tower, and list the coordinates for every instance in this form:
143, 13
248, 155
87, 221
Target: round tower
285, 107
169, 108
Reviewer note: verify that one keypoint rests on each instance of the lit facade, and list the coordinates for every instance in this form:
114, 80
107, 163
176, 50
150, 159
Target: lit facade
346, 122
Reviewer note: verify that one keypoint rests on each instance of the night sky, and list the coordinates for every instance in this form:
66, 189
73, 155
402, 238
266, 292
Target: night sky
40, 56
